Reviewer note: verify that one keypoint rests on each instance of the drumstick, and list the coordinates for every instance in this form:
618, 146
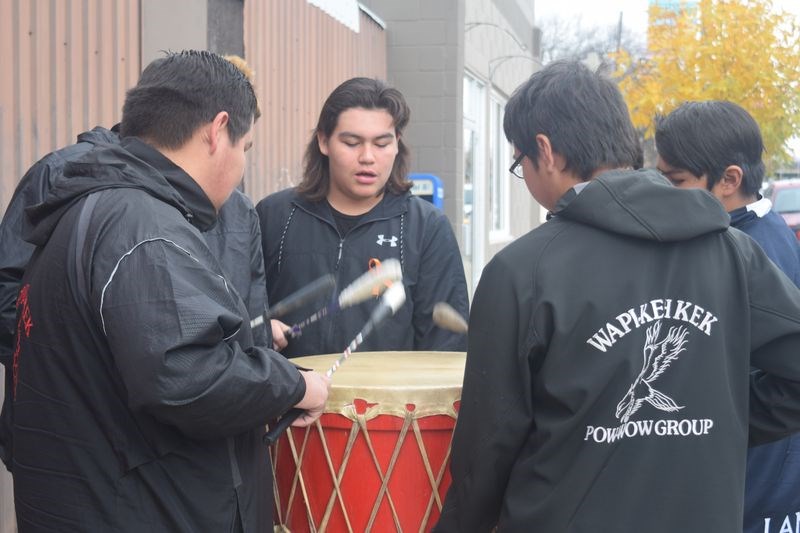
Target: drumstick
361, 289
391, 301
448, 318
320, 287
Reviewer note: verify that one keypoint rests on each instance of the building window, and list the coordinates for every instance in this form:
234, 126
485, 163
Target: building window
499, 154
474, 223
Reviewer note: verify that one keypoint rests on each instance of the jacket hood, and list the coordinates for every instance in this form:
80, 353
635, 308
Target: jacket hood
107, 166
100, 135
644, 204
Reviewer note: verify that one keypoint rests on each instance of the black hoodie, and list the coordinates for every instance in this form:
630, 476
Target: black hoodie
139, 396
608, 385
235, 241
31, 190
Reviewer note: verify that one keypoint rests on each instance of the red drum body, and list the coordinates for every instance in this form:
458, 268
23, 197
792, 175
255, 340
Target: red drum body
378, 459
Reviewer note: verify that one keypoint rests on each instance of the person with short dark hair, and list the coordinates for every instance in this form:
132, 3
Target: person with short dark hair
235, 240
352, 210
608, 382
140, 398
717, 146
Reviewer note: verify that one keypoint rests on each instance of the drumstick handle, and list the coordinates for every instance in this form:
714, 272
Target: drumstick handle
296, 300
277, 429
392, 299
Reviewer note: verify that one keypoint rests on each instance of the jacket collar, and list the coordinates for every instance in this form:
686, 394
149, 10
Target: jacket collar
752, 211
200, 211
391, 205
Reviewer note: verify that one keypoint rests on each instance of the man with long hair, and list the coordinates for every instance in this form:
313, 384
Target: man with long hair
352, 210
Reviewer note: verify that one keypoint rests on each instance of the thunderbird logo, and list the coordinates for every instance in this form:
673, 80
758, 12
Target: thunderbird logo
657, 357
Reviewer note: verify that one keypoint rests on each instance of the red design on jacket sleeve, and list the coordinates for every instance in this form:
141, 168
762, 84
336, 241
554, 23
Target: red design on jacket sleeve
24, 325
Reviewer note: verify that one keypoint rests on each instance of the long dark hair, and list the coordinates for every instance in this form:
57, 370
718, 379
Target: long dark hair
364, 93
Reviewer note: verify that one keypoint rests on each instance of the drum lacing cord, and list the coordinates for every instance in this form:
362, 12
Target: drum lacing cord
407, 422
337, 477
435, 483
361, 426
298, 475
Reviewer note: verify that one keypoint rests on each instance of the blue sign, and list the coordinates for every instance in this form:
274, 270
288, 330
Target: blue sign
428, 187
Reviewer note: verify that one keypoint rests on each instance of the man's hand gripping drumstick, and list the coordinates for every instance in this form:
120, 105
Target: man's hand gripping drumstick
392, 300
313, 403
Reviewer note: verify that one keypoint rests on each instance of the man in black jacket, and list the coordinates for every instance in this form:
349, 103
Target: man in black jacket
608, 383
139, 395
352, 210
235, 240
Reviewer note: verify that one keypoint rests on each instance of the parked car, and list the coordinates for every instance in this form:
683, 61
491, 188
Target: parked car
785, 198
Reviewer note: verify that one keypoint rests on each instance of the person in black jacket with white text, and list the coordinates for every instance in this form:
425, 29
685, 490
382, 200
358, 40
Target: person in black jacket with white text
608, 383
140, 398
352, 210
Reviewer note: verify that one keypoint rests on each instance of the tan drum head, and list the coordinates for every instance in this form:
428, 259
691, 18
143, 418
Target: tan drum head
431, 381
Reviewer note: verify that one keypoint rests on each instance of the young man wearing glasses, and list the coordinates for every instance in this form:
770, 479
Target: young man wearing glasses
610, 349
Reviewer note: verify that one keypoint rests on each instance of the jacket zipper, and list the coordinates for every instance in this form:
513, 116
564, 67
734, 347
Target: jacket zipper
333, 225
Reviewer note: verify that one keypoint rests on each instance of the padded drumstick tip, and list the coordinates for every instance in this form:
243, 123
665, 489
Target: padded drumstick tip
362, 288
395, 296
448, 318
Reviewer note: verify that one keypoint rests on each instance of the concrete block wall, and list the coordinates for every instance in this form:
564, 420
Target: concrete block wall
426, 62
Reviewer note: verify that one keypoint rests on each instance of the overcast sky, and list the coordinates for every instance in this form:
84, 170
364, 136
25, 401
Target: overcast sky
634, 16
634, 12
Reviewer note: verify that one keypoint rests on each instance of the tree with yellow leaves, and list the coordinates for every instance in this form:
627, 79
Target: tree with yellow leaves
738, 50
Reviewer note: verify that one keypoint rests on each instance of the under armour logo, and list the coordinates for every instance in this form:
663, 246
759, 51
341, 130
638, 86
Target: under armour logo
392, 242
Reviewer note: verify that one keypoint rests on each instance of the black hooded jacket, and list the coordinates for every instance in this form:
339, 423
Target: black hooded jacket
31, 190
15, 253
608, 384
139, 397
301, 243
235, 241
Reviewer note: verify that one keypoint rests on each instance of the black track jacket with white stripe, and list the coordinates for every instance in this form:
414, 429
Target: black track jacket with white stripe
139, 397
235, 241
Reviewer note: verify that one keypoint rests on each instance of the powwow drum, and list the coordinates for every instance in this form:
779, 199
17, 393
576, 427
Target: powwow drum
377, 459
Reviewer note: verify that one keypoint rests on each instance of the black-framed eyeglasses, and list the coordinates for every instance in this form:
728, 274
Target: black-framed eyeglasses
515, 168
